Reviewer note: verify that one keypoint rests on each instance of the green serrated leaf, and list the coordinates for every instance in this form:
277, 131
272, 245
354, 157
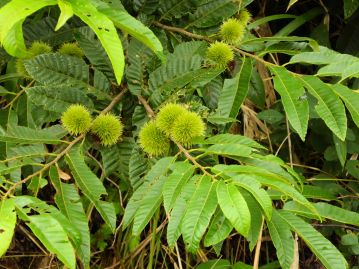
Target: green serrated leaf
234, 207
327, 253
283, 241
105, 31
291, 91
91, 186
200, 209
69, 202
329, 106
7, 224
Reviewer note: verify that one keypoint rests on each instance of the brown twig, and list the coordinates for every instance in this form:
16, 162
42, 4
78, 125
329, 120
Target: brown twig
115, 100
19, 94
182, 31
147, 107
202, 37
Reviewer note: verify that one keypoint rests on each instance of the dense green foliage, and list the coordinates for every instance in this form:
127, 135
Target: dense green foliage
163, 134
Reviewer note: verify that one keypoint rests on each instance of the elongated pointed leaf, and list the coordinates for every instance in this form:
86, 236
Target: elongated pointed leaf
351, 100
329, 106
282, 238
105, 31
234, 207
150, 202
235, 91
157, 171
69, 202
254, 187
325, 210
11, 16
14, 43
25, 135
218, 230
291, 92
327, 253
49, 231
200, 209
129, 24
7, 224
179, 210
175, 182
66, 13
91, 186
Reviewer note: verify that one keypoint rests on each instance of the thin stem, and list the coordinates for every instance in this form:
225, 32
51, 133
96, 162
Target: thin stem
19, 94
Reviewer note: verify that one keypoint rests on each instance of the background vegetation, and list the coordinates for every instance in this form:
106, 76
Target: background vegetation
273, 182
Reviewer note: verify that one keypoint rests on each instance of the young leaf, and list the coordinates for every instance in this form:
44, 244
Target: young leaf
200, 209
134, 27
66, 13
91, 186
291, 92
327, 253
7, 224
282, 238
9, 23
69, 202
234, 207
329, 106
105, 31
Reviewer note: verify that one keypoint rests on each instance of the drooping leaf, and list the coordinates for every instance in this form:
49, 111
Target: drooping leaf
327, 253
350, 98
69, 202
11, 16
134, 27
7, 224
105, 31
234, 207
91, 186
282, 238
325, 210
49, 231
291, 91
66, 13
199, 211
329, 106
